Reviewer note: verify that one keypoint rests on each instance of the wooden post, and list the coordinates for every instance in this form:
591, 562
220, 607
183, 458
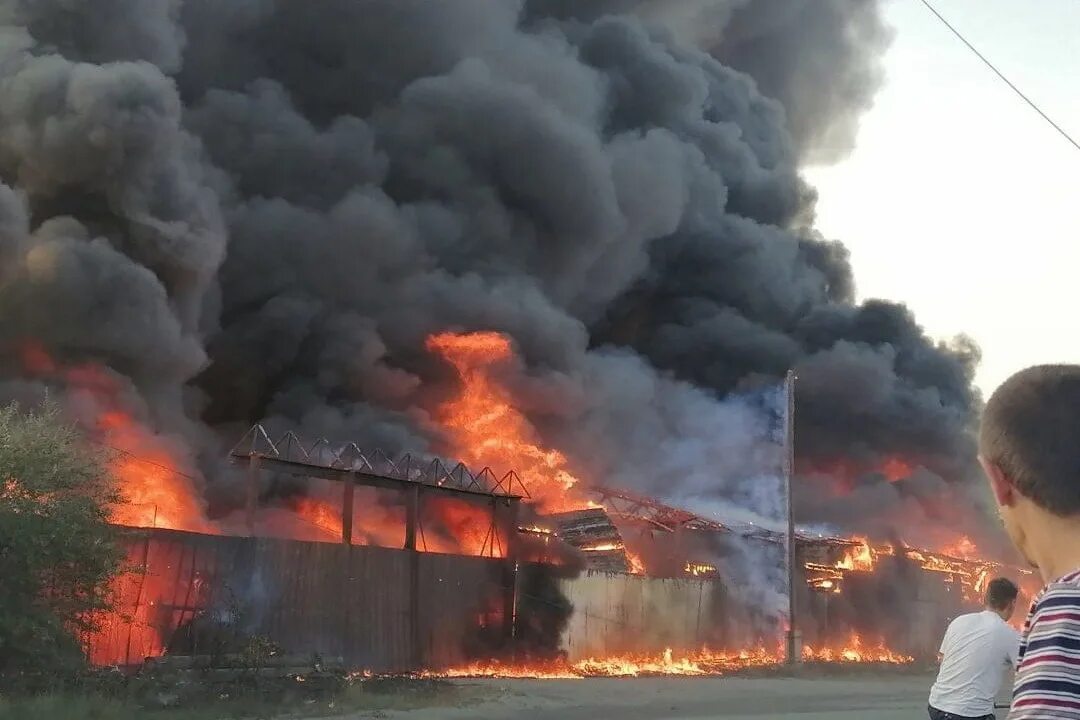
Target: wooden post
794, 644
252, 493
412, 521
347, 511
412, 511
510, 566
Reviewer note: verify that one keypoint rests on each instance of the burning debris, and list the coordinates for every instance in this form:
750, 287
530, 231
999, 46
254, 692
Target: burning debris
543, 533
960, 567
697, 569
593, 533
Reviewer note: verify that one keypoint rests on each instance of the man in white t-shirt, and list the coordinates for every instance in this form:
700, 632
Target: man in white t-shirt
977, 649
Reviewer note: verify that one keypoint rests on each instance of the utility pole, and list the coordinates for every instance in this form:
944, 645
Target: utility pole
793, 637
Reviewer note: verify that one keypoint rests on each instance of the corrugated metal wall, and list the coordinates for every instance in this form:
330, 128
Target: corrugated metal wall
356, 602
616, 613
389, 610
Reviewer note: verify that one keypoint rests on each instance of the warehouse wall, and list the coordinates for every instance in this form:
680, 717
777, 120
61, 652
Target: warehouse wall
195, 593
390, 610
615, 613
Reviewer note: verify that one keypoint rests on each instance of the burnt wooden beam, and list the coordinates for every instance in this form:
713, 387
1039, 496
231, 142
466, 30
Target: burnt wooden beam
347, 511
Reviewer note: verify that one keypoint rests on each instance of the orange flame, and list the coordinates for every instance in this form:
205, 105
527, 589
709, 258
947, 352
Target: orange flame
446, 525
844, 472
963, 548
895, 468
698, 569
322, 515
157, 492
602, 547
957, 562
485, 429
855, 652
119, 640
860, 558
470, 527
703, 662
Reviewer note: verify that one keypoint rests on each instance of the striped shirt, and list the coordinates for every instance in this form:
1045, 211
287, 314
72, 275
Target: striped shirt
1048, 677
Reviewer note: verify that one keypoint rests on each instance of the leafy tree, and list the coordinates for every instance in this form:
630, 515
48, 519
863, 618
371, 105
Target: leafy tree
57, 550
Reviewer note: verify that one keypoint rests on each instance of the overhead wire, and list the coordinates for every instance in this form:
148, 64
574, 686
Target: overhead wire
1001, 75
143, 460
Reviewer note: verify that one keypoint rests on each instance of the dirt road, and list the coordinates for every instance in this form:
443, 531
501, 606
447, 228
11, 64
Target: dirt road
900, 697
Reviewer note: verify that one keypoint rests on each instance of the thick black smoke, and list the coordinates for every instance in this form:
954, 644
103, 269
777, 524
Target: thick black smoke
819, 58
256, 210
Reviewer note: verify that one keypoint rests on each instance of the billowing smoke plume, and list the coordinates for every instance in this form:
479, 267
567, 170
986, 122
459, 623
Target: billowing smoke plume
257, 210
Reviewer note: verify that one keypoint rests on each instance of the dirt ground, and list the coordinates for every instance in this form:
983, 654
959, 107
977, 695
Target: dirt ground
877, 697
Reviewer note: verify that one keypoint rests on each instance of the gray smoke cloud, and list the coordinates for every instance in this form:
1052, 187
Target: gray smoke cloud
257, 210
821, 60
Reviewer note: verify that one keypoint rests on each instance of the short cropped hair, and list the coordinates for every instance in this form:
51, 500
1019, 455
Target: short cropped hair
1031, 430
1000, 593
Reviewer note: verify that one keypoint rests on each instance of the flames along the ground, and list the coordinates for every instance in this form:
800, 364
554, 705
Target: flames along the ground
700, 662
484, 428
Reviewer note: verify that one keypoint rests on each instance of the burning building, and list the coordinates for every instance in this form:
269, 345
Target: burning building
487, 582
565, 239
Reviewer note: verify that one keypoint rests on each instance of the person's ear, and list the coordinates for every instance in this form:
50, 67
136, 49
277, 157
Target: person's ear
1000, 484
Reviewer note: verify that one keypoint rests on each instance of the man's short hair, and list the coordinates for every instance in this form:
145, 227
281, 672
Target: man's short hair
1000, 592
1031, 430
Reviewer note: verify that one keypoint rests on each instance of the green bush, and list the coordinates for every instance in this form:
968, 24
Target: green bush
57, 550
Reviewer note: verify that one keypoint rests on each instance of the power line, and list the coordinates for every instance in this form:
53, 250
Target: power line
143, 460
997, 72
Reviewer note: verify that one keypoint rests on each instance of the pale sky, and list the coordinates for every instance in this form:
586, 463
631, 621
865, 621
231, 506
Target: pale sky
959, 200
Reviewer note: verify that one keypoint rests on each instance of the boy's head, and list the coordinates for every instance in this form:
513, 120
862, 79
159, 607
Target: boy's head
1029, 446
1001, 596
